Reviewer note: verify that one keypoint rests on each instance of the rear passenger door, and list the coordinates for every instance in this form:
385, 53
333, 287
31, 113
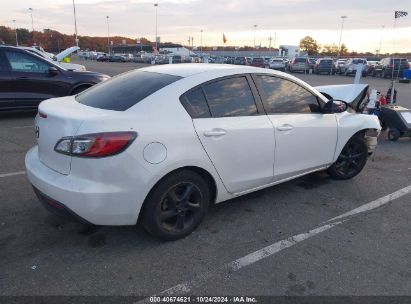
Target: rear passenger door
237, 136
7, 97
305, 137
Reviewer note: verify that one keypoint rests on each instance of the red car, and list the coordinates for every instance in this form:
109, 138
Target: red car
258, 62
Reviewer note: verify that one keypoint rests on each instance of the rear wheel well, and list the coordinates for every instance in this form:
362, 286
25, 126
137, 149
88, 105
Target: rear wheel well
200, 171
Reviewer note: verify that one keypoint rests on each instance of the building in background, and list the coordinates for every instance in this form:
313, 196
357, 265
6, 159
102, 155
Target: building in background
289, 51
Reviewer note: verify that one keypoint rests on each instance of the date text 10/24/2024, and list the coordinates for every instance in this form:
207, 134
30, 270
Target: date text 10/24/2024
203, 299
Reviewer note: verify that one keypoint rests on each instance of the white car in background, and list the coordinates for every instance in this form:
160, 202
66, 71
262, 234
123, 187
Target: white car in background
162, 143
277, 64
58, 59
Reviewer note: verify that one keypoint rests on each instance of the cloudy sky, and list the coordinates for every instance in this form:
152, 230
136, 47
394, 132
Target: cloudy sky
288, 20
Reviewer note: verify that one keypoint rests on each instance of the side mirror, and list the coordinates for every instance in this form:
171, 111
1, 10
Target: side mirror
335, 106
53, 71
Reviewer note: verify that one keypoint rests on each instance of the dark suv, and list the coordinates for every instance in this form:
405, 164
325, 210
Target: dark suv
324, 65
258, 62
27, 79
387, 66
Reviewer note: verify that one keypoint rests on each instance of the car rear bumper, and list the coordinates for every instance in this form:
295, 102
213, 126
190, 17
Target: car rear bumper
58, 208
85, 200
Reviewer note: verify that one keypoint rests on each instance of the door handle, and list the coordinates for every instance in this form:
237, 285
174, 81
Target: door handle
215, 133
23, 78
285, 128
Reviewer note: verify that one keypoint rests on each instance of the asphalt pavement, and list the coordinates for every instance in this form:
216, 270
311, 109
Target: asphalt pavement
284, 240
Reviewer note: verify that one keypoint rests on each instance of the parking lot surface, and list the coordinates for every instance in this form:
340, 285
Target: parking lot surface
278, 241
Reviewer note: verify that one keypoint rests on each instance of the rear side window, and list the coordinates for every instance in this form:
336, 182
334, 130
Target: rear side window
230, 97
281, 96
124, 91
195, 104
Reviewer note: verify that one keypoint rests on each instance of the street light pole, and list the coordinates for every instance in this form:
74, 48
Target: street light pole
156, 6
15, 28
255, 30
108, 34
201, 41
75, 21
32, 23
379, 49
342, 26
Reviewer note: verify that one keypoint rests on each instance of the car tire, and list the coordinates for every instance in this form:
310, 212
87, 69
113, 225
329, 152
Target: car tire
176, 205
351, 160
393, 134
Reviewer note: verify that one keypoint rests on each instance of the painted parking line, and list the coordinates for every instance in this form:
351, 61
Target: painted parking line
374, 204
12, 174
272, 249
21, 127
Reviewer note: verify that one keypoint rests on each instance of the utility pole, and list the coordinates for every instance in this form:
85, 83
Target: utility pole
255, 30
156, 6
15, 29
269, 46
75, 22
201, 43
379, 49
32, 22
108, 35
342, 26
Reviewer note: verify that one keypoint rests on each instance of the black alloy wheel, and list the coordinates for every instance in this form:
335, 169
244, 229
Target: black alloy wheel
351, 160
176, 205
179, 207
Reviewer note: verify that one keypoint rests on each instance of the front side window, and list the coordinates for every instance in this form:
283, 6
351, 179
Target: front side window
281, 96
230, 97
20, 62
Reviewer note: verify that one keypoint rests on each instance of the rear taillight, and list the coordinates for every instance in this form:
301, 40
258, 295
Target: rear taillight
390, 66
95, 145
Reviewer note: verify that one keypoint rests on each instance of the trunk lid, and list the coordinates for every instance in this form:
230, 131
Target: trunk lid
60, 56
58, 118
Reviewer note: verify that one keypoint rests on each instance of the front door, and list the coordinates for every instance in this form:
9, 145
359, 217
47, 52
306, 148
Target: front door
6, 84
31, 80
305, 137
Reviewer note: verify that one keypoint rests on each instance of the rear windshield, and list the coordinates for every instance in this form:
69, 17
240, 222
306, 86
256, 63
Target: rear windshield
124, 91
300, 60
326, 61
358, 61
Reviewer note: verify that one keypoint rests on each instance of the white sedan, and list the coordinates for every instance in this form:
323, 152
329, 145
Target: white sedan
162, 143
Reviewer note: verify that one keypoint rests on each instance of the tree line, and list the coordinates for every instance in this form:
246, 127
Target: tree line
54, 41
312, 47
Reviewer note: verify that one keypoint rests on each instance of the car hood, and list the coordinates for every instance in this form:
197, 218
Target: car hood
87, 75
353, 94
60, 56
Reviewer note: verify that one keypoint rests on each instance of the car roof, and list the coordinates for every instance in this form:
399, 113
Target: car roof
189, 69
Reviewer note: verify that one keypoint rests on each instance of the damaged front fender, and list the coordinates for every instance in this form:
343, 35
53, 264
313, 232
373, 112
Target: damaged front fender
350, 124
